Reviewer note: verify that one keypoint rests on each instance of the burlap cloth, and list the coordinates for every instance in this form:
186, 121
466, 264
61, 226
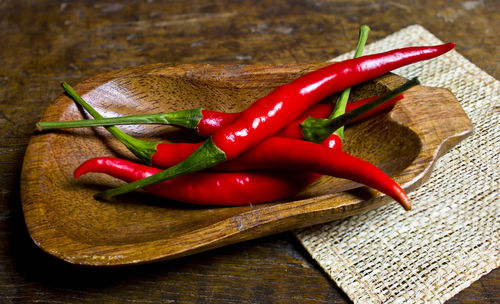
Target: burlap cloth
451, 237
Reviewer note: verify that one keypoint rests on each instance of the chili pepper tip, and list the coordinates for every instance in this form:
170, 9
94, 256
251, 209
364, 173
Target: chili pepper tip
79, 172
406, 204
403, 199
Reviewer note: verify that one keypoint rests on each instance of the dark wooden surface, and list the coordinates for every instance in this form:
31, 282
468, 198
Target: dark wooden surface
45, 42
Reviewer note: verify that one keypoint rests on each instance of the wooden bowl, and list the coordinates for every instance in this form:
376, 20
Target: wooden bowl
64, 220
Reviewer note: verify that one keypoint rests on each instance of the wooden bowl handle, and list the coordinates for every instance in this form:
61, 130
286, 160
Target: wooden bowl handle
440, 126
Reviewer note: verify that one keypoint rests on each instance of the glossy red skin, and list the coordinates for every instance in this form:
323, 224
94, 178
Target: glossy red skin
287, 154
170, 154
213, 121
206, 188
286, 103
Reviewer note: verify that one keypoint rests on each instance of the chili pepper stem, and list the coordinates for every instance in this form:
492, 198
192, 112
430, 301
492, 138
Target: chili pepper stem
342, 100
184, 118
142, 149
318, 129
206, 156
349, 116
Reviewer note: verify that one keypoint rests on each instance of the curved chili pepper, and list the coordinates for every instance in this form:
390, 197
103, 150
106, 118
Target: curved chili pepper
209, 188
206, 188
299, 155
282, 106
286, 103
168, 154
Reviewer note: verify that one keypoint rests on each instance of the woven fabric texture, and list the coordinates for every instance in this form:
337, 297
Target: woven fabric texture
451, 237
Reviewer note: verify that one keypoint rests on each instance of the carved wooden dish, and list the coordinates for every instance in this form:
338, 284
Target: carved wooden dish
64, 220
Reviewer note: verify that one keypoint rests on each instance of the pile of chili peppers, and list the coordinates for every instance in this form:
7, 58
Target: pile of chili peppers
258, 155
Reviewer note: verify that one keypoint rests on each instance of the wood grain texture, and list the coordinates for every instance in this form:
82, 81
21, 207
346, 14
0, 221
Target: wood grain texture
47, 41
65, 220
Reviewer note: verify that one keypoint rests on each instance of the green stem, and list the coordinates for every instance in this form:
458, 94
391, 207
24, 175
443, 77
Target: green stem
207, 155
185, 118
144, 150
342, 100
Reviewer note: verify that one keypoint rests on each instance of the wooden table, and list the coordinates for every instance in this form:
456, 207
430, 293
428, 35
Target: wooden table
45, 42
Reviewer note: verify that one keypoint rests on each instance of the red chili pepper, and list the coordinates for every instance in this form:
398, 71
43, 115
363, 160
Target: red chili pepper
206, 188
209, 188
286, 103
169, 154
299, 155
282, 106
